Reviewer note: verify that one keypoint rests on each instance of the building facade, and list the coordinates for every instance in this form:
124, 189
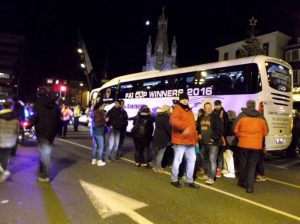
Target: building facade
273, 45
159, 57
12, 53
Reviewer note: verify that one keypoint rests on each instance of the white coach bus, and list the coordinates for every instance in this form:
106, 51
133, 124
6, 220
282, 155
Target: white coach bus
266, 80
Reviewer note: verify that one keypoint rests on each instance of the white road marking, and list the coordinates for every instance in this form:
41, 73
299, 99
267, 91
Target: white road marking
109, 203
227, 193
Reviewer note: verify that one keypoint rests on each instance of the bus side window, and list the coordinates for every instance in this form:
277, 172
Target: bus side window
241, 83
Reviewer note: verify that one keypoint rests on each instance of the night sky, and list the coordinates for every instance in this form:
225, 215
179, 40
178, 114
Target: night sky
117, 30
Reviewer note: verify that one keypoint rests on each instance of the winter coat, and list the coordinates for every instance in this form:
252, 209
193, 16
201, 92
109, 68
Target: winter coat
117, 118
250, 128
142, 125
98, 122
9, 128
180, 120
45, 118
163, 130
224, 117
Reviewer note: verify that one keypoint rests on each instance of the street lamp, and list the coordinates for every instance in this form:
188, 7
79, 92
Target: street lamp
79, 50
82, 65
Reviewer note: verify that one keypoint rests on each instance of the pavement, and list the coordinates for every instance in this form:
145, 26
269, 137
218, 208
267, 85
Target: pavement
121, 193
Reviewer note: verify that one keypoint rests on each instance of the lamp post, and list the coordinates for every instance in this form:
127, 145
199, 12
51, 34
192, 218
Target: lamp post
81, 92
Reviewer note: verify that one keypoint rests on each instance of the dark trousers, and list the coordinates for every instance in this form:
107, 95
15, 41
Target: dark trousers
141, 143
76, 123
248, 161
65, 128
260, 169
4, 152
122, 138
220, 160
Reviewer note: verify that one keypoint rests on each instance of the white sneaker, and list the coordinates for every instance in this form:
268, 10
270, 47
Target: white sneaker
224, 171
101, 163
229, 175
94, 161
4, 175
209, 181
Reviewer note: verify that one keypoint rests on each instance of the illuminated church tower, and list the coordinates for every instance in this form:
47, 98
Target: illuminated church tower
160, 59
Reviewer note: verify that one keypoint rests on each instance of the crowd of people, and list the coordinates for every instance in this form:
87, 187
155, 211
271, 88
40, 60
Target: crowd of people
217, 143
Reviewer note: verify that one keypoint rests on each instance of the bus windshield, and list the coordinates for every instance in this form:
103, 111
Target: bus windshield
278, 77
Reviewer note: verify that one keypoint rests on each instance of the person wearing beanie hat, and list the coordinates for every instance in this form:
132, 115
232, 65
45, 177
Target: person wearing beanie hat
162, 136
250, 128
183, 96
184, 139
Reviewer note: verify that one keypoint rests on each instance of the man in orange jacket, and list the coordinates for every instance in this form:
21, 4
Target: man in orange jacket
184, 138
250, 128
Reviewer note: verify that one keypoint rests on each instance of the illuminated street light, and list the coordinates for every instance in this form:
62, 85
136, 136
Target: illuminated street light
79, 50
81, 84
82, 65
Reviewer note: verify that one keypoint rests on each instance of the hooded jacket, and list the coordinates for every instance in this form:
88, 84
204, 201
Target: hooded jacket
45, 118
250, 127
143, 124
9, 128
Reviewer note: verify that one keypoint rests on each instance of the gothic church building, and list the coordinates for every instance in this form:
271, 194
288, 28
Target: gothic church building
159, 57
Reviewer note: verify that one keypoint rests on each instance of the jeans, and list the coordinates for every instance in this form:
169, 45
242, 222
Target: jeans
210, 154
45, 148
159, 157
65, 128
98, 145
248, 161
190, 155
113, 143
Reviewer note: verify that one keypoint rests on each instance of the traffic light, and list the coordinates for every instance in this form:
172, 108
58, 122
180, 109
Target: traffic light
62, 92
63, 88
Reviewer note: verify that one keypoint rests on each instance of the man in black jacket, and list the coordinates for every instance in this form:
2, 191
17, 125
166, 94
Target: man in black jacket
211, 129
116, 119
45, 118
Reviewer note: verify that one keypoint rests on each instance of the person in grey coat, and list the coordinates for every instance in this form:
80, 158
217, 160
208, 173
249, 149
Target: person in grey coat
162, 135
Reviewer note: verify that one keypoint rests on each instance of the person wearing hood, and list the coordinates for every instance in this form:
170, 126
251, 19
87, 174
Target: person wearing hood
142, 133
250, 128
45, 118
184, 139
162, 135
9, 128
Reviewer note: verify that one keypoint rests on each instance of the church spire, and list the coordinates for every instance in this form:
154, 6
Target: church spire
174, 47
162, 36
149, 47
